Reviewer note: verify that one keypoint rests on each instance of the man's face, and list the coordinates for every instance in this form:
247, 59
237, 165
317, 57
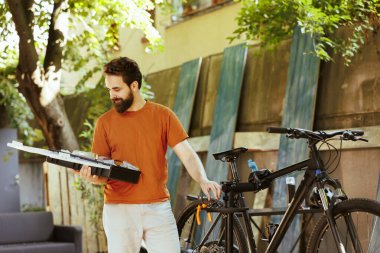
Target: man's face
120, 93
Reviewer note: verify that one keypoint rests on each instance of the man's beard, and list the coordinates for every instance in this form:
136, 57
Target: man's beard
121, 105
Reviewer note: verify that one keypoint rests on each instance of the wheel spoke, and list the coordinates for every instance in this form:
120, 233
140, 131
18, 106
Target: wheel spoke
374, 243
352, 231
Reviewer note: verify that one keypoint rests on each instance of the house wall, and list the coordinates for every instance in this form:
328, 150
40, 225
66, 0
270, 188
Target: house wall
9, 173
201, 35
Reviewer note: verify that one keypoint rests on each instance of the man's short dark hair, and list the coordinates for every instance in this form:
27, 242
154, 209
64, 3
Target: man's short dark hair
125, 67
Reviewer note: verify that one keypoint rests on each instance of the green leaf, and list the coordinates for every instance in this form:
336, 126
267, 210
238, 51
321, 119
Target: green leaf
272, 21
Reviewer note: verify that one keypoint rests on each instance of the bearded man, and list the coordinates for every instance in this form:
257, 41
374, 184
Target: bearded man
139, 131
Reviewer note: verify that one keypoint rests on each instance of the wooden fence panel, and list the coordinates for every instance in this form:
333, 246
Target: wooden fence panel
68, 207
54, 192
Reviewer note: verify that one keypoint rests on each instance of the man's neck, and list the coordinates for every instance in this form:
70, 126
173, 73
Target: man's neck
137, 104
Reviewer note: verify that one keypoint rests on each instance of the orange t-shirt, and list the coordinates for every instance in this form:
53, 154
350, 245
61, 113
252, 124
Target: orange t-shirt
140, 138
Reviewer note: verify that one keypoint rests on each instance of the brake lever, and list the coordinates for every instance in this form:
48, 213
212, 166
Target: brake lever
290, 136
353, 138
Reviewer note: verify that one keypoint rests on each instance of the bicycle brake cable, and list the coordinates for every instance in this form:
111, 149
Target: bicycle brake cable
328, 159
331, 149
339, 156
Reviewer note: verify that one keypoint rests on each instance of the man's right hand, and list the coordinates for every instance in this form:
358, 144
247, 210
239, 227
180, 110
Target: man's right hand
85, 173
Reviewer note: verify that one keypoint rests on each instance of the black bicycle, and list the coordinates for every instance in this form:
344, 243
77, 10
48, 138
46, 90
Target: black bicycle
346, 225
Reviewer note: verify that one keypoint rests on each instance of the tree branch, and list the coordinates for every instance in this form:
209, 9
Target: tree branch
57, 33
23, 18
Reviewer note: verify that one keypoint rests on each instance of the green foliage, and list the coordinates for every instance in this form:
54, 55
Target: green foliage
95, 25
9, 39
32, 208
18, 111
146, 90
93, 195
272, 21
100, 103
93, 34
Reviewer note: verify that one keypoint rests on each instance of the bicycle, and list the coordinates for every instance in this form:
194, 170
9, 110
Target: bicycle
339, 229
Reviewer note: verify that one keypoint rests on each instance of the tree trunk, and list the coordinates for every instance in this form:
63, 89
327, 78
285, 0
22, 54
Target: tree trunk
3, 116
40, 85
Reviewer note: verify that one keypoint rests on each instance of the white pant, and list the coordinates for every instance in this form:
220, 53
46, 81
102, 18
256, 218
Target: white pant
126, 225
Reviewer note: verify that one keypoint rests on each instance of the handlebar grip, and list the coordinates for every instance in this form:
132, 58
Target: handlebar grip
278, 130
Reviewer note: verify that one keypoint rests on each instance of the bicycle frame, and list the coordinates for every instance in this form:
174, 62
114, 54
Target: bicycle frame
295, 203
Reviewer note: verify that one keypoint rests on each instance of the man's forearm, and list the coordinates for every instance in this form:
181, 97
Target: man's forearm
191, 161
195, 168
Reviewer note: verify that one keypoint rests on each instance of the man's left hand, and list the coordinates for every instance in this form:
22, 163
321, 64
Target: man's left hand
212, 186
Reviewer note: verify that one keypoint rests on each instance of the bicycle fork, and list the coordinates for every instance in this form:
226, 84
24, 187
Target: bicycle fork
328, 210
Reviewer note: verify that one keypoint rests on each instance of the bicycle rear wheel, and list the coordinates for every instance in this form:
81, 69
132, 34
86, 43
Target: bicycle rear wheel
358, 224
193, 236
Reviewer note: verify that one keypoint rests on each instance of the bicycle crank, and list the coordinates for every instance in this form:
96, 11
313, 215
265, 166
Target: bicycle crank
212, 247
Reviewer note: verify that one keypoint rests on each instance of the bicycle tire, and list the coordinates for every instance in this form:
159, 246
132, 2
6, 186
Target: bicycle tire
187, 218
360, 210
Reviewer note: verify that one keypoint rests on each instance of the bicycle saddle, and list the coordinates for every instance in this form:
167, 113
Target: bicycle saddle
229, 154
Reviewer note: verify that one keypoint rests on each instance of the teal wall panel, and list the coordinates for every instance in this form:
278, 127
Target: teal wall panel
299, 108
183, 108
227, 103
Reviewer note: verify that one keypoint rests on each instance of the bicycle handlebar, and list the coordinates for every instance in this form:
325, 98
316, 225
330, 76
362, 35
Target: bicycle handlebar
299, 133
239, 187
278, 130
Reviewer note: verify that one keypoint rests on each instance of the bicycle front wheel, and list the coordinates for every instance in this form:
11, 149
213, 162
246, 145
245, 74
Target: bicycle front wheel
358, 225
209, 236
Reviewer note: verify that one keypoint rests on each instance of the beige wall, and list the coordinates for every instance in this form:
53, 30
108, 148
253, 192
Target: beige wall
201, 35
